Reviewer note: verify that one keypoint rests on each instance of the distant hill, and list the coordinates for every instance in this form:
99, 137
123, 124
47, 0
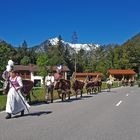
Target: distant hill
6, 45
135, 39
2, 42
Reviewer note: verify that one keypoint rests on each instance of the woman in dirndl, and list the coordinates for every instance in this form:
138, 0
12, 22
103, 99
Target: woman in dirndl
16, 103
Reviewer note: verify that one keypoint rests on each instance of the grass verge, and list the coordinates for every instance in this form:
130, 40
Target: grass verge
39, 95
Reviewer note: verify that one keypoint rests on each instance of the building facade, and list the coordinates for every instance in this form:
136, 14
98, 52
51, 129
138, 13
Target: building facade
87, 76
30, 72
121, 74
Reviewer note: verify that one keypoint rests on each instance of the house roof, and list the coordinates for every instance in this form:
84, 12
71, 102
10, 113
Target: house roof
31, 68
64, 68
35, 68
88, 74
125, 72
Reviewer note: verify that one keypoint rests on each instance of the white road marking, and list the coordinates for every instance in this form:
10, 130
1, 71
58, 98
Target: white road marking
118, 103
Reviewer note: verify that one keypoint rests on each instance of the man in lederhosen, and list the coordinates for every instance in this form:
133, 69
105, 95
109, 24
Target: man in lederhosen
49, 81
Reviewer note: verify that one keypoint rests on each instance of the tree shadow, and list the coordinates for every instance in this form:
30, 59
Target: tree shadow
37, 103
74, 99
103, 90
95, 93
87, 96
111, 91
68, 101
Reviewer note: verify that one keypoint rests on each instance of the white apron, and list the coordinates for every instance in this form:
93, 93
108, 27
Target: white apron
15, 101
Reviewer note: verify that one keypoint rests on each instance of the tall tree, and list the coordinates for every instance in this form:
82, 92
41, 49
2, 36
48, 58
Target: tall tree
68, 59
42, 61
22, 51
61, 50
6, 52
25, 60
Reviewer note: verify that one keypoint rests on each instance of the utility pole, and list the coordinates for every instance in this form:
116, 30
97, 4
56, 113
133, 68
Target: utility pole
74, 41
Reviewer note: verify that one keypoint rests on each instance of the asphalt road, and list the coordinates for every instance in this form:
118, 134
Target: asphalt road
111, 115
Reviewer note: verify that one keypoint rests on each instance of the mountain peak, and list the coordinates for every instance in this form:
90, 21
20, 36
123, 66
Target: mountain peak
54, 41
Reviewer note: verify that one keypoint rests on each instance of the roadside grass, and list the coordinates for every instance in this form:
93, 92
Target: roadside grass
2, 102
39, 95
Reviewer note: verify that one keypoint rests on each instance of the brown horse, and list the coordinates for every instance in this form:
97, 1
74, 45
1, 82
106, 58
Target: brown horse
27, 89
63, 88
90, 87
78, 87
99, 85
93, 86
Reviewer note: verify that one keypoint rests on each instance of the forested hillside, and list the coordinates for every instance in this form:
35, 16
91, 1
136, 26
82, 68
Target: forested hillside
101, 58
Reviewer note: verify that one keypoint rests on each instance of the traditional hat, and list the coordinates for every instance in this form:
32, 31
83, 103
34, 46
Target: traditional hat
10, 66
10, 63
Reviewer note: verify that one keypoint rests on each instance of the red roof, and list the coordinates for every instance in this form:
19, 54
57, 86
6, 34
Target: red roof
64, 68
35, 68
32, 68
89, 74
117, 72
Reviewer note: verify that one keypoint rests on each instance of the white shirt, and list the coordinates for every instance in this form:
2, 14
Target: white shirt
109, 82
49, 80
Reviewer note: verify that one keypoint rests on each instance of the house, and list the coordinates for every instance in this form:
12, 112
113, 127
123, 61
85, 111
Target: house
30, 72
84, 76
121, 74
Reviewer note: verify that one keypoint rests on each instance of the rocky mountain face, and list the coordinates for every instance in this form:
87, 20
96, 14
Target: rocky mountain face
54, 41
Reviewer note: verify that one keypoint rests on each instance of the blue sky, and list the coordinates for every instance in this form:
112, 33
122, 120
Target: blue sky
95, 21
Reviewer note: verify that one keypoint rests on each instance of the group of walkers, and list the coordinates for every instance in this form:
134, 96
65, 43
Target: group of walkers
126, 82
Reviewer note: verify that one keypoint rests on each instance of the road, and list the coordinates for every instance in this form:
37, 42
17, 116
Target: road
111, 115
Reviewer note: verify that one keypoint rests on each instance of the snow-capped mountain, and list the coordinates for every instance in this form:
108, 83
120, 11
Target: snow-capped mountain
54, 41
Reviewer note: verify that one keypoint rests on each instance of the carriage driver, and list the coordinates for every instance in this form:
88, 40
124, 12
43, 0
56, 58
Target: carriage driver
49, 82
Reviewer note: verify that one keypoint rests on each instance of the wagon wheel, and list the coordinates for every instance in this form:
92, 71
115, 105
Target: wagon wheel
63, 96
69, 92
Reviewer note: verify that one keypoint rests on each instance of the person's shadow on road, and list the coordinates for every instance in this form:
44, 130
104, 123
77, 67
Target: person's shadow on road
38, 113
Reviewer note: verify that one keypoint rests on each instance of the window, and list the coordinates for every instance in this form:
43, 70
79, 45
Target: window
37, 83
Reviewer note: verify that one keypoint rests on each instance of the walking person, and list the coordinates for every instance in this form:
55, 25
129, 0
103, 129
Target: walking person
49, 81
15, 101
109, 84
